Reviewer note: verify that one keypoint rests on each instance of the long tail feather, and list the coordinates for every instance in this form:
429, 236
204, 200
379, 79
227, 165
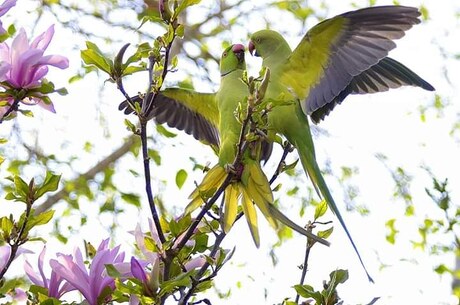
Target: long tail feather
251, 216
287, 222
312, 170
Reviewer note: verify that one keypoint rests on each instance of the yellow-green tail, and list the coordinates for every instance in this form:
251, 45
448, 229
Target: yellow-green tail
312, 170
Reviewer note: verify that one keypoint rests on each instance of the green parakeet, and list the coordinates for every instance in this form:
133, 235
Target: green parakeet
211, 118
339, 56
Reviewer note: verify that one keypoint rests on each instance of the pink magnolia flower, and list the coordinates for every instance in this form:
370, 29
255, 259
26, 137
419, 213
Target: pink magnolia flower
5, 253
28, 62
55, 285
92, 283
24, 64
5, 7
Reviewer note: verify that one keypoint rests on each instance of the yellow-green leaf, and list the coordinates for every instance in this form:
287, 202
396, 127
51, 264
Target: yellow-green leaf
181, 176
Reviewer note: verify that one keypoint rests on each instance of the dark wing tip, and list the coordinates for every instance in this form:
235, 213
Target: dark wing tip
176, 115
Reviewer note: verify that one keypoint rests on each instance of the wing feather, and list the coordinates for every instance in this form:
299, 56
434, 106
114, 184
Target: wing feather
386, 74
337, 50
193, 112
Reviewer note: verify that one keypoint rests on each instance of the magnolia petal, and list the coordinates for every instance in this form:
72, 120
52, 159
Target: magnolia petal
124, 269
4, 68
195, 263
43, 40
35, 76
137, 270
20, 72
19, 295
66, 268
134, 300
6, 6
19, 45
154, 233
41, 258
58, 61
5, 252
32, 275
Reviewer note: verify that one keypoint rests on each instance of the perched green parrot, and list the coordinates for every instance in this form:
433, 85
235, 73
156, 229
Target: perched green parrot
250, 183
339, 56
211, 118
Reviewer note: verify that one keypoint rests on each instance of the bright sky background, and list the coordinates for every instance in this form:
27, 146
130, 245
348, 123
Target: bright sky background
386, 123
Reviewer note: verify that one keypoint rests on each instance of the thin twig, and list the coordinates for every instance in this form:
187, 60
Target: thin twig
148, 185
304, 269
149, 101
13, 107
203, 212
286, 151
18, 240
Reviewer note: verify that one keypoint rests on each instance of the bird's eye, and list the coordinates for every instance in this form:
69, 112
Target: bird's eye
258, 40
224, 55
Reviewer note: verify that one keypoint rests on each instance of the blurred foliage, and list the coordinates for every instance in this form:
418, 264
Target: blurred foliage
98, 180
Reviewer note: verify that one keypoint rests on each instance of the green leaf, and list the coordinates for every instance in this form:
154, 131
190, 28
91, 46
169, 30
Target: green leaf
180, 31
181, 176
132, 69
292, 191
155, 155
391, 237
6, 225
203, 286
112, 271
326, 233
174, 62
290, 166
40, 219
28, 113
182, 280
50, 184
163, 131
38, 290
11, 196
441, 269
94, 56
22, 189
320, 209
183, 5
131, 199
307, 291
130, 126
338, 276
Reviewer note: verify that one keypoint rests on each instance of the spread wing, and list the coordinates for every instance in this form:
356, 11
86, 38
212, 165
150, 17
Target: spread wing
336, 50
386, 74
193, 112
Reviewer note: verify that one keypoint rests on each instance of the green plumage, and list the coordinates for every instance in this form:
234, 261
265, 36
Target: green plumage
339, 56
211, 118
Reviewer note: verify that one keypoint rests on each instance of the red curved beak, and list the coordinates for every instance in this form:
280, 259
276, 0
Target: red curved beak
251, 48
238, 50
